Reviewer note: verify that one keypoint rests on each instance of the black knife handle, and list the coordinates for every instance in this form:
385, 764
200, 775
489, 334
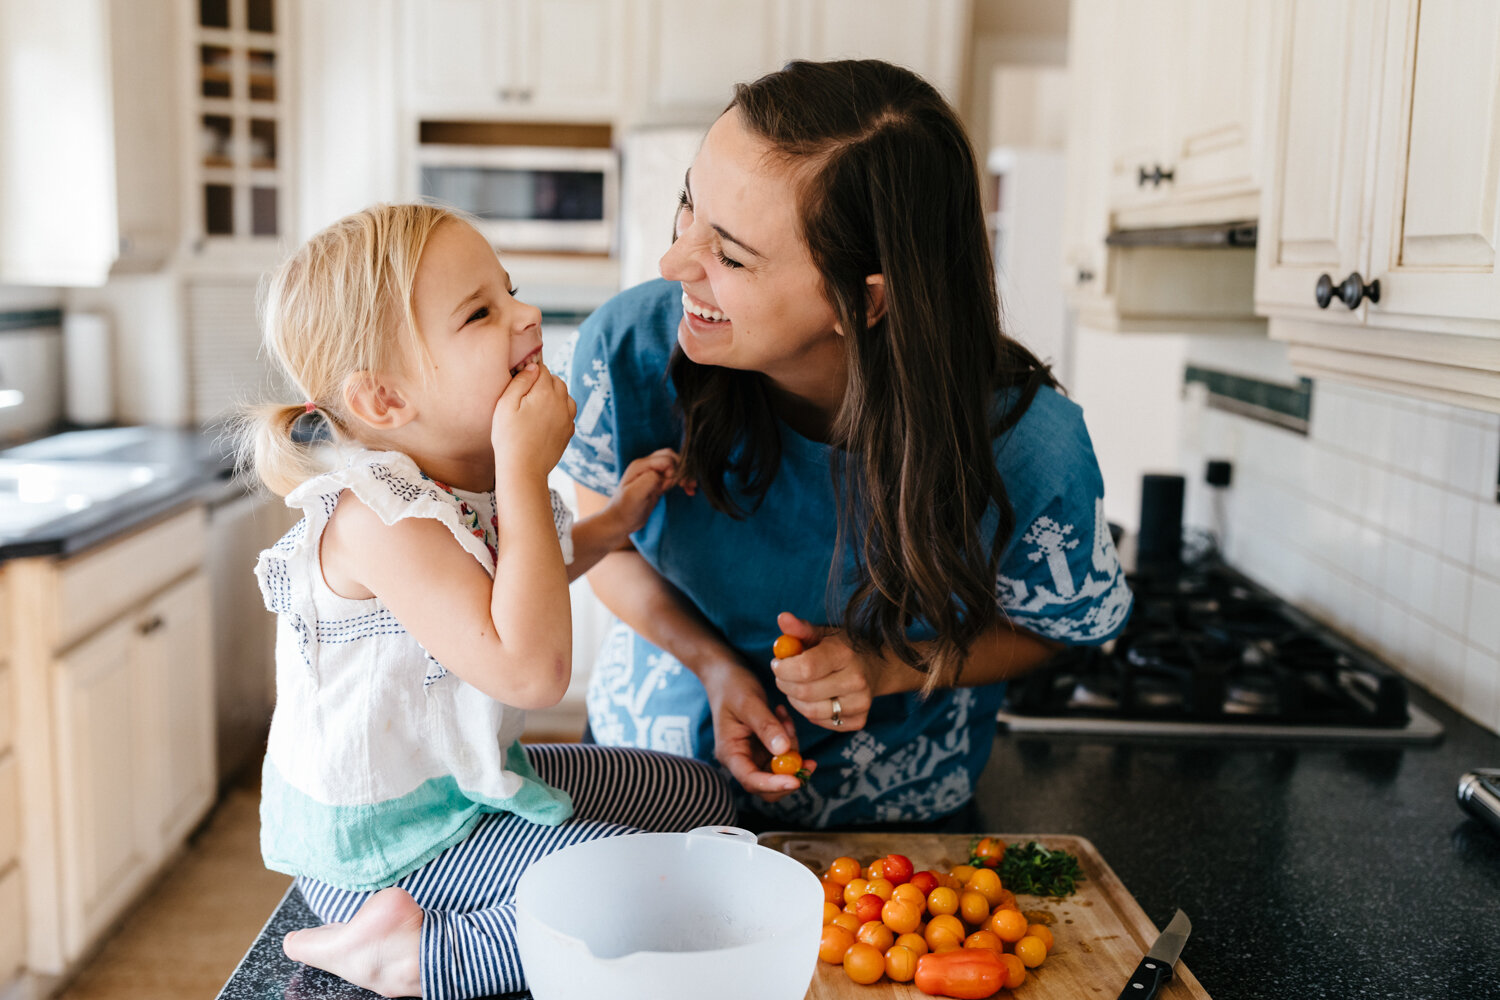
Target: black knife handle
1146, 980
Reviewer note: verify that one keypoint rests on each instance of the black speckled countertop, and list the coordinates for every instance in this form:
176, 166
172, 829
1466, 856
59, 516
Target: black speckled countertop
1309, 871
189, 466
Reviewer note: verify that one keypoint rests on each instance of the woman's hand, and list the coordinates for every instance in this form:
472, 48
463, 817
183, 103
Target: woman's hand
826, 669
747, 732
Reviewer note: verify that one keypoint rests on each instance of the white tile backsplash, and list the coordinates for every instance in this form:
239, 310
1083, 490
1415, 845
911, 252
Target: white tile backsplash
1382, 521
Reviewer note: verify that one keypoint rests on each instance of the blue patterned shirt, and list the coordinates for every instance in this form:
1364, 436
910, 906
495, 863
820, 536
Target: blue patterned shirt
915, 759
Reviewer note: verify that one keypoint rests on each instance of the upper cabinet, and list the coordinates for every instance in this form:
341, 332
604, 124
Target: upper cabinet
928, 36
1381, 220
1184, 134
521, 59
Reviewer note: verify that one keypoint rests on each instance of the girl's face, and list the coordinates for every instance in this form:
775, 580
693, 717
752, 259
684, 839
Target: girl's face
477, 335
752, 298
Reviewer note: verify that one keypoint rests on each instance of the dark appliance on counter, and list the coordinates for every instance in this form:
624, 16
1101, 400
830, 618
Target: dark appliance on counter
1208, 653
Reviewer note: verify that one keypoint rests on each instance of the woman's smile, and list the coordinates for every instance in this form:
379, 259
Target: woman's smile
702, 323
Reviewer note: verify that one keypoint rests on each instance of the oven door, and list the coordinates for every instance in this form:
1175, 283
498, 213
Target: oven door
528, 197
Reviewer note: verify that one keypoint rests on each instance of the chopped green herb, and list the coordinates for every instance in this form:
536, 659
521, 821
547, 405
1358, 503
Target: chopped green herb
1033, 870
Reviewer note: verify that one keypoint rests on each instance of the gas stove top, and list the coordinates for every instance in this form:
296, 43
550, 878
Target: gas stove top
1208, 653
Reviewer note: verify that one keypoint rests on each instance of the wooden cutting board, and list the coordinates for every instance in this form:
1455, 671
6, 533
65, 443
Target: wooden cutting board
1101, 932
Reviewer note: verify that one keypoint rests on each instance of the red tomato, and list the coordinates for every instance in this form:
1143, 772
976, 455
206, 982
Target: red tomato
966, 974
868, 907
898, 868
786, 646
926, 881
989, 852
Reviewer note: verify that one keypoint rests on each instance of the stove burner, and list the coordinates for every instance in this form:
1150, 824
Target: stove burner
1209, 645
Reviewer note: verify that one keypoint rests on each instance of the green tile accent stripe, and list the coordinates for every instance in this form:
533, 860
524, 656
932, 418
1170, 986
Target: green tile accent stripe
27, 319
1286, 406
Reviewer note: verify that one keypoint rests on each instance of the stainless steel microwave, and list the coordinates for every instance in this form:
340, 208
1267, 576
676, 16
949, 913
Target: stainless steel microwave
529, 197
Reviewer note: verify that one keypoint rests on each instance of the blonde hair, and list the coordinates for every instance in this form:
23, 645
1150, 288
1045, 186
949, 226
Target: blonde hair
340, 305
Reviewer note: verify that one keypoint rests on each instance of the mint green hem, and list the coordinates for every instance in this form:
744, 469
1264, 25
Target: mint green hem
367, 847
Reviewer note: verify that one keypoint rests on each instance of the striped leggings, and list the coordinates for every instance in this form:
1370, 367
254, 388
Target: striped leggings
467, 893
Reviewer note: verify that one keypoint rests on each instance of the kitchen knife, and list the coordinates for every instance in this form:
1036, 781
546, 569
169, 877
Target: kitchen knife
1156, 968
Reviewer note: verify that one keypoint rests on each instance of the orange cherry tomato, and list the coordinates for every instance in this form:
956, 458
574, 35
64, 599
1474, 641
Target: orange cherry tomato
829, 912
867, 907
876, 869
786, 763
985, 939
914, 941
990, 851
967, 974
901, 963
836, 940
1031, 951
973, 907
911, 894
962, 873
843, 870
876, 935
848, 922
1007, 901
833, 892
864, 963
881, 887
901, 915
1015, 971
855, 888
1008, 925
944, 929
1041, 932
786, 646
942, 900
987, 882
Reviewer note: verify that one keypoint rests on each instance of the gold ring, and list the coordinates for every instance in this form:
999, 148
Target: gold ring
838, 712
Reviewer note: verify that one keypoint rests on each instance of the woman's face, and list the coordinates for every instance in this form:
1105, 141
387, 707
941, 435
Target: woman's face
752, 298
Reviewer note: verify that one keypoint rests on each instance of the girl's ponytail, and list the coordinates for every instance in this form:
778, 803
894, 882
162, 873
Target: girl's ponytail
267, 445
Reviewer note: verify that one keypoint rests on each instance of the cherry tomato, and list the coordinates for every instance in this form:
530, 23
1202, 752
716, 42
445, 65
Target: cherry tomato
843, 870
1009, 925
836, 940
848, 922
942, 900
944, 930
856, 888
864, 963
833, 892
973, 907
786, 646
876, 869
829, 912
789, 763
914, 941
1007, 901
1015, 971
925, 880
898, 868
868, 906
1031, 951
1043, 933
962, 873
901, 963
901, 916
985, 939
989, 852
876, 934
967, 974
911, 894
987, 882
881, 887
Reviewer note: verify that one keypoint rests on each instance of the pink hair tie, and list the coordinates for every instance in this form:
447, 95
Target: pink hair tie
311, 406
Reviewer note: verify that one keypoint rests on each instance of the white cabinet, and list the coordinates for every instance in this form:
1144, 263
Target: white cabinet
929, 37
527, 59
1185, 78
1381, 218
693, 52
115, 726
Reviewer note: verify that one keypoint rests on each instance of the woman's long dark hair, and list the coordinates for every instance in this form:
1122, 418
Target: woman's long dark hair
888, 185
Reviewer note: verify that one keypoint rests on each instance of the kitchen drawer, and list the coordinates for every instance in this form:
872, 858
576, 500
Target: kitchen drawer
12, 943
10, 810
95, 588
7, 708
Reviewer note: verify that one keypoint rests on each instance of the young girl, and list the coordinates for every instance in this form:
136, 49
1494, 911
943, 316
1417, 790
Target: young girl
422, 606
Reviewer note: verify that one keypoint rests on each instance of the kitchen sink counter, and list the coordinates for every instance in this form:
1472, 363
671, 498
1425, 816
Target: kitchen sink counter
1309, 871
98, 484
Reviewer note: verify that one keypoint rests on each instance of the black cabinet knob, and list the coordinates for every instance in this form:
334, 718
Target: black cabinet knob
1155, 176
1351, 291
1142, 177
1085, 276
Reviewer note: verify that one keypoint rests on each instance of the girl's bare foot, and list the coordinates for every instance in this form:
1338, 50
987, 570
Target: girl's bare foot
377, 948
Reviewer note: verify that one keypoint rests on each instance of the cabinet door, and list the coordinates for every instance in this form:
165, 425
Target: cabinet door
98, 708
1086, 206
695, 51
571, 56
1220, 73
174, 657
1437, 224
1142, 51
1323, 101
461, 53
927, 36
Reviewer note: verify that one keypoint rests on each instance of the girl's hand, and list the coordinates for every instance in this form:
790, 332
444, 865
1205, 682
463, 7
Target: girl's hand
643, 484
532, 423
747, 732
826, 669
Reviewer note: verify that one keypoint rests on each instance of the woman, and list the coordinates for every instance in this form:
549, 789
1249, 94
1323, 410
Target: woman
871, 465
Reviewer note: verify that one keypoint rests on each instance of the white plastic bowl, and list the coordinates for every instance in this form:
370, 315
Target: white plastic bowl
669, 916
